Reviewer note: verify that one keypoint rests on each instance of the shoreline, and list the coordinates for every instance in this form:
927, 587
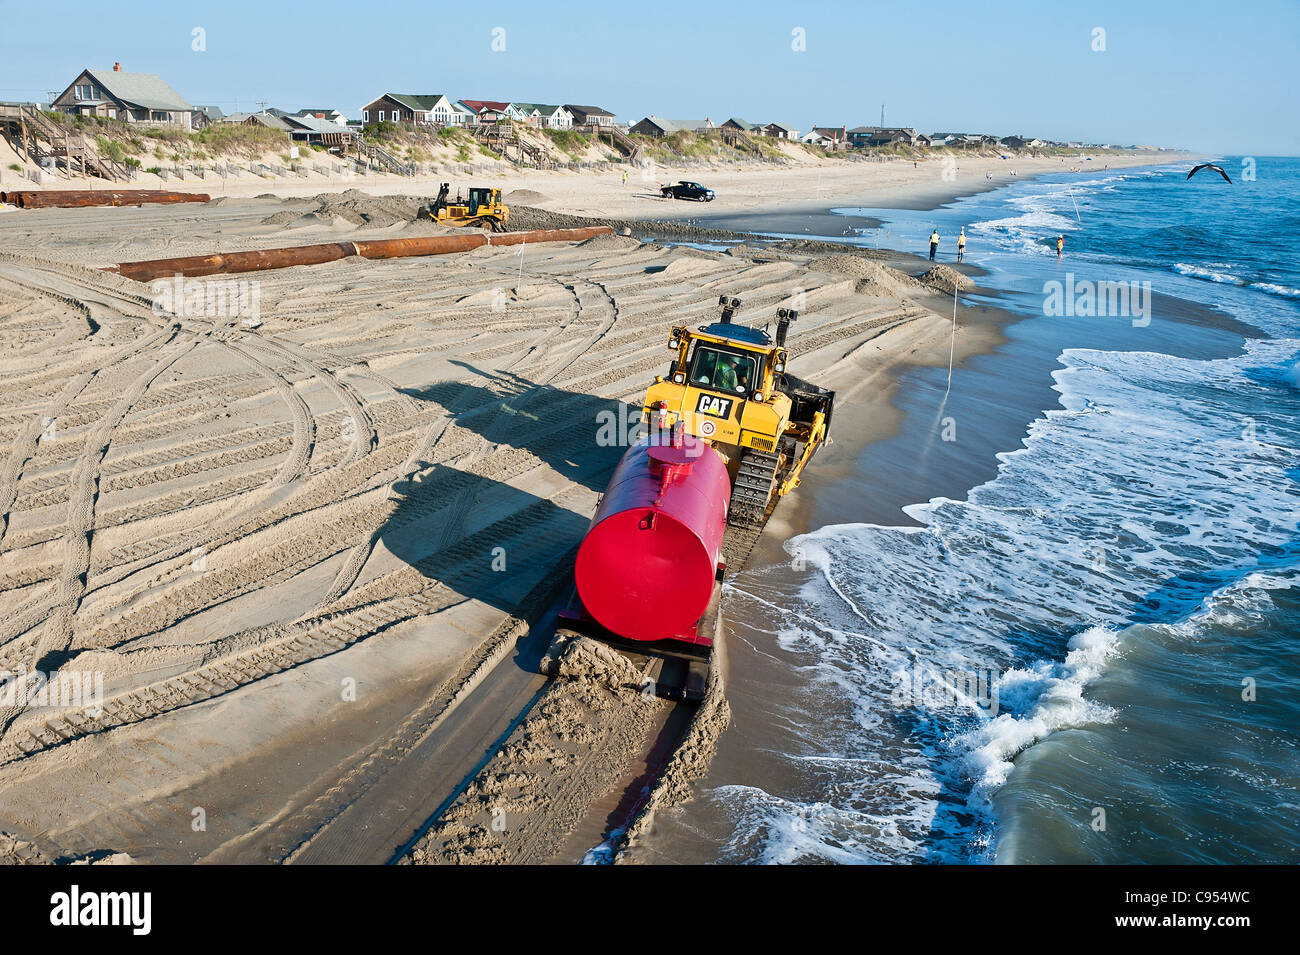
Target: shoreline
1000, 386
419, 354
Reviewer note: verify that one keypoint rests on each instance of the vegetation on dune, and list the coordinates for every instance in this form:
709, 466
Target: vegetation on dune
572, 143
240, 140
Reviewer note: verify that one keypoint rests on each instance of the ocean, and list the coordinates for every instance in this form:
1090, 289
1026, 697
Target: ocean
1054, 620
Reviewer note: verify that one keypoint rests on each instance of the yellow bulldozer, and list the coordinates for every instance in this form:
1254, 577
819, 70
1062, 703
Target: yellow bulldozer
728, 385
483, 207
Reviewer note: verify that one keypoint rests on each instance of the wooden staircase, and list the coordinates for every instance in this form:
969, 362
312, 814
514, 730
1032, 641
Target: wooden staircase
376, 156
738, 140
36, 136
503, 139
621, 141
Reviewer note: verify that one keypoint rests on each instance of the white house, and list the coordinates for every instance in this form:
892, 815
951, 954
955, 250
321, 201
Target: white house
546, 117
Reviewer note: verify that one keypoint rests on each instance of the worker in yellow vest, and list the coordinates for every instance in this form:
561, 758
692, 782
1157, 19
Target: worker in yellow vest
934, 243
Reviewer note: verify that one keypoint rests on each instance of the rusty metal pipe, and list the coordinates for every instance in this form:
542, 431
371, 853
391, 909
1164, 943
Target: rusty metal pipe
76, 198
442, 244
195, 265
420, 245
237, 261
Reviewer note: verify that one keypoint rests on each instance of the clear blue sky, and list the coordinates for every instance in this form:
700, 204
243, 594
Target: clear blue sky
1213, 76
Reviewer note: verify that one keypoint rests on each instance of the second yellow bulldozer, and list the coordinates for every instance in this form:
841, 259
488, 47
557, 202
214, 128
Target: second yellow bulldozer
483, 208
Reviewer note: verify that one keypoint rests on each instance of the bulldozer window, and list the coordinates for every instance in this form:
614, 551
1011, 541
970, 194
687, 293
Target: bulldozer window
722, 371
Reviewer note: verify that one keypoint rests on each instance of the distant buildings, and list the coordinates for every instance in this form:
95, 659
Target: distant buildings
658, 127
861, 136
333, 115
780, 131
828, 137
266, 118
145, 98
205, 116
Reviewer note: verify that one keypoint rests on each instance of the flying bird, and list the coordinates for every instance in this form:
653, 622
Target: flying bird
1208, 165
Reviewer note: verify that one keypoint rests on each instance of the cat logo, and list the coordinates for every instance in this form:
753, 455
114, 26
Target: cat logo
714, 406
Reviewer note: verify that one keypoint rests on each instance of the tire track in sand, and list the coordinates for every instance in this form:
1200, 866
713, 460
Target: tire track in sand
57, 636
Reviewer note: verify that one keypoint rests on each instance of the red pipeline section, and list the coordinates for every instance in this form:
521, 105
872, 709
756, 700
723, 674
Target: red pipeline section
647, 567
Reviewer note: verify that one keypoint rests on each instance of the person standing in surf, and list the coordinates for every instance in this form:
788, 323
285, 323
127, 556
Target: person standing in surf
1060, 245
961, 244
934, 243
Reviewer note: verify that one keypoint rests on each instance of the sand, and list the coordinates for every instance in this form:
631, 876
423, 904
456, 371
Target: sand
310, 557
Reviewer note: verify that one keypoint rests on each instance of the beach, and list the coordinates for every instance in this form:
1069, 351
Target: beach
294, 534
271, 531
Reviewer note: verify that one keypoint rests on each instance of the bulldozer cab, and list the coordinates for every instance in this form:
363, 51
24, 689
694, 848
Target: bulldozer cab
721, 383
728, 385
722, 368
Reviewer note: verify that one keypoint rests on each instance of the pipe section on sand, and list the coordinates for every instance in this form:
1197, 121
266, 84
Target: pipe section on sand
195, 265
74, 198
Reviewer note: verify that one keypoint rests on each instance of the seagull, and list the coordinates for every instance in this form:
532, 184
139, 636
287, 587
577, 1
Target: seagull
1208, 165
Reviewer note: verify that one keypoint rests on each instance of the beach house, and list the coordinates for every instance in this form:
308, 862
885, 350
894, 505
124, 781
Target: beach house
333, 115
136, 98
484, 112
205, 116
544, 116
410, 109
589, 115
861, 136
658, 127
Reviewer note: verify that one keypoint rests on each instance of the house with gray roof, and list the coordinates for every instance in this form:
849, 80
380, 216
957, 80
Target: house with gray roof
322, 112
315, 131
205, 116
137, 98
267, 119
658, 127
779, 131
590, 115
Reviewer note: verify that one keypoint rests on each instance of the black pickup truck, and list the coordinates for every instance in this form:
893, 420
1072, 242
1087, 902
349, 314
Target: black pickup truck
686, 190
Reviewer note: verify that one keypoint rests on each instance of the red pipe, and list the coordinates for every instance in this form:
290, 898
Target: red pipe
647, 567
76, 198
236, 261
316, 254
